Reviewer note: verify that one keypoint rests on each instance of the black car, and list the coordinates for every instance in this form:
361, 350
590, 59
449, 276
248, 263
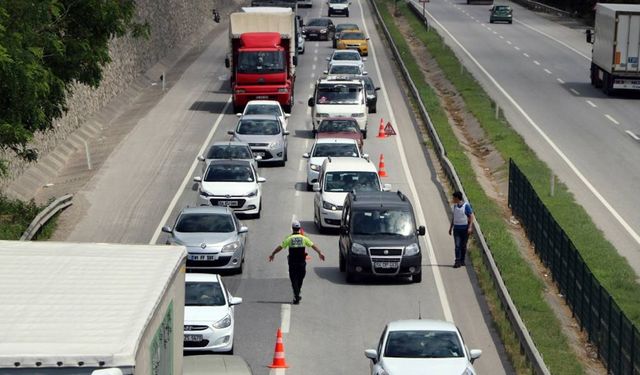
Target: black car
372, 94
319, 29
379, 236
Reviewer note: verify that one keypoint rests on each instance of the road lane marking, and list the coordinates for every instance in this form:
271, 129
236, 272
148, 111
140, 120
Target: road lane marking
554, 39
560, 81
508, 42
501, 37
525, 54
632, 135
187, 178
536, 62
547, 71
610, 118
315, 58
442, 294
550, 142
517, 48
592, 104
575, 91
285, 317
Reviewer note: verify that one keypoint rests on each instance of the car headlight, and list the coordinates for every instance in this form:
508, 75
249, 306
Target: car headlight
314, 167
282, 89
323, 31
357, 115
412, 249
322, 115
223, 323
358, 249
273, 145
328, 206
231, 247
205, 193
253, 193
468, 371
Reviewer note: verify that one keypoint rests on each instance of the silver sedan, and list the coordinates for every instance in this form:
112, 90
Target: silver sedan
266, 136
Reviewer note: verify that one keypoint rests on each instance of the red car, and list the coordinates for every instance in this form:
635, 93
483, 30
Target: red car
340, 127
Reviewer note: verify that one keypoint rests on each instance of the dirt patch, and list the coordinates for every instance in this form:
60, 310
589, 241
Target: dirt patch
492, 174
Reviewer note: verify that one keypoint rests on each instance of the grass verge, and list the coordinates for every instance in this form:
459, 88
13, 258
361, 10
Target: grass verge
526, 289
15, 217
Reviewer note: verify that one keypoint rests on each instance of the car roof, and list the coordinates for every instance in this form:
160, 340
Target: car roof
206, 209
346, 62
263, 102
388, 199
421, 325
230, 161
338, 118
336, 140
348, 25
352, 51
205, 277
259, 117
340, 79
229, 143
352, 31
348, 164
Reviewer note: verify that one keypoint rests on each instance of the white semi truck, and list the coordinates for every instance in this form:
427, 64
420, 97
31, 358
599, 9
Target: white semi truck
95, 309
616, 47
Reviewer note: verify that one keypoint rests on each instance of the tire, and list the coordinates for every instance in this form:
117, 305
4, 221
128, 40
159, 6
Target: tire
490, 21
257, 216
416, 278
351, 277
607, 84
510, 22
230, 352
329, 13
364, 134
373, 109
309, 187
342, 263
318, 221
335, 43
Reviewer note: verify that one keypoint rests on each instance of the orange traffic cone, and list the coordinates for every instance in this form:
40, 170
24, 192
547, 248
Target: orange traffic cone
381, 132
278, 356
381, 170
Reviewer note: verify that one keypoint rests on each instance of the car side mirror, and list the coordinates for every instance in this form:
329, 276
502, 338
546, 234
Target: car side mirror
364, 59
365, 73
367, 38
257, 158
197, 179
261, 180
310, 103
166, 229
386, 187
328, 59
475, 354
372, 354
365, 156
201, 158
235, 301
316, 186
422, 230
287, 115
377, 89
286, 132
325, 72
306, 155
239, 114
243, 229
227, 63
590, 34
230, 132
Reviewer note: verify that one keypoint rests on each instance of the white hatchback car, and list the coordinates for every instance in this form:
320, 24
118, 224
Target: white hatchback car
265, 107
231, 183
208, 314
346, 55
417, 347
329, 147
339, 97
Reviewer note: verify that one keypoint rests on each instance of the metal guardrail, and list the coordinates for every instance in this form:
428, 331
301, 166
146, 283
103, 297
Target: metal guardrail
45, 215
537, 6
526, 343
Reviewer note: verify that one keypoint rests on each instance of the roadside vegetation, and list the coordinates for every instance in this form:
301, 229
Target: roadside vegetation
15, 217
525, 286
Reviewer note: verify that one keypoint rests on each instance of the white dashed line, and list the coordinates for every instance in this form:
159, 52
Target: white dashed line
592, 104
285, 317
525, 54
508, 42
495, 32
547, 71
575, 91
517, 48
501, 37
612, 119
560, 81
488, 28
315, 58
536, 62
632, 135
313, 67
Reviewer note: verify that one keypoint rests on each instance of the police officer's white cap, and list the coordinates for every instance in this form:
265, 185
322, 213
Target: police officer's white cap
295, 224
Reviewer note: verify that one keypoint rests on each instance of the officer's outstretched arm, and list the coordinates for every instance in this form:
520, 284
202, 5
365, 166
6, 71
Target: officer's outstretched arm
275, 251
320, 255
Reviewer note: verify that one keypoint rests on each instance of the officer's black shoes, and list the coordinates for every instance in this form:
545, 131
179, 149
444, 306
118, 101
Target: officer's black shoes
296, 300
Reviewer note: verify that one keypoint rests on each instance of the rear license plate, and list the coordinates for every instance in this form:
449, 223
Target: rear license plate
262, 97
202, 257
385, 264
193, 338
228, 203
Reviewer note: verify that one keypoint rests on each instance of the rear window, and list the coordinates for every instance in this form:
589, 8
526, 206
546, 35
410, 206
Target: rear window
335, 150
345, 69
348, 56
262, 109
349, 35
205, 223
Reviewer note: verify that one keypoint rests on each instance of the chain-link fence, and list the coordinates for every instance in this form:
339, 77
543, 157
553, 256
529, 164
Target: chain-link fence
608, 328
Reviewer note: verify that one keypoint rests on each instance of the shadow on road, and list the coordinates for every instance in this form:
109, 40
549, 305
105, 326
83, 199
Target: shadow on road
586, 90
333, 274
207, 106
303, 133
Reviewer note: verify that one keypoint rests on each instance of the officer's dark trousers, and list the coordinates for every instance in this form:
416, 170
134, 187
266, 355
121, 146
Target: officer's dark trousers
297, 271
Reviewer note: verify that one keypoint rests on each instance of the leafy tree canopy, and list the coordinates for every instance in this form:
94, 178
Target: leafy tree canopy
46, 45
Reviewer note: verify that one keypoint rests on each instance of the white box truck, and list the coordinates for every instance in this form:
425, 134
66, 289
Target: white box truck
616, 47
86, 308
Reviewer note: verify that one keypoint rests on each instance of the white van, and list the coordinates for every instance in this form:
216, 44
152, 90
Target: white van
339, 97
337, 178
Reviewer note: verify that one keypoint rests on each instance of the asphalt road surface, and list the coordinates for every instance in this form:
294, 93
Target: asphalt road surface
538, 71
148, 179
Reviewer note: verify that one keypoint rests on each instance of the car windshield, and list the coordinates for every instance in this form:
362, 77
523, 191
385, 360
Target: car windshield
339, 94
423, 344
346, 26
389, 222
259, 127
336, 182
346, 56
338, 1
205, 223
318, 22
262, 109
335, 150
350, 35
334, 126
228, 173
229, 152
203, 294
261, 62
345, 69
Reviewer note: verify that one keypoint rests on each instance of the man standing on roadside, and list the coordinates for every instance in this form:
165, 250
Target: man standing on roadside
297, 243
461, 227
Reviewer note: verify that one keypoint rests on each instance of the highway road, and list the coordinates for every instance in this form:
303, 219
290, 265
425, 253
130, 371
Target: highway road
538, 71
148, 179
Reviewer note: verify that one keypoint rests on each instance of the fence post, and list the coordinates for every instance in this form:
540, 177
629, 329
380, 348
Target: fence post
552, 188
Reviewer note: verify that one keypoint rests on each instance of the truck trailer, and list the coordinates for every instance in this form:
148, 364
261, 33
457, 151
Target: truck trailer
616, 47
262, 56
86, 308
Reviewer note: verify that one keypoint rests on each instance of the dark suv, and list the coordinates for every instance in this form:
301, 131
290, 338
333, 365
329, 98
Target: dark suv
378, 236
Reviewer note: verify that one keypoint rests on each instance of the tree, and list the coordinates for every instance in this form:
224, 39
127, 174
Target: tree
46, 45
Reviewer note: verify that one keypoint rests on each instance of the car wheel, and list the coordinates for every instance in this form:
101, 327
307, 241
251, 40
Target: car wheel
230, 352
309, 187
373, 109
490, 21
351, 277
237, 108
257, 216
335, 44
318, 221
342, 264
364, 134
510, 22
347, 14
416, 278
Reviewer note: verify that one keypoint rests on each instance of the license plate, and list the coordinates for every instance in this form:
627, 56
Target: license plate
386, 264
202, 257
262, 97
228, 203
313, 35
193, 338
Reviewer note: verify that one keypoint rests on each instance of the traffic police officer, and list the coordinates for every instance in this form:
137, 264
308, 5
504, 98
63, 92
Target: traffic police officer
296, 243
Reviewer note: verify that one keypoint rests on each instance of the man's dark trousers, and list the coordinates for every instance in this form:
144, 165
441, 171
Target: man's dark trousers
460, 238
297, 272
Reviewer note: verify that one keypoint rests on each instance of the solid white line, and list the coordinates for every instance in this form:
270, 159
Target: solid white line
442, 294
285, 317
592, 104
560, 81
547, 71
575, 91
525, 54
632, 135
517, 48
544, 136
187, 178
554, 39
536, 62
610, 118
